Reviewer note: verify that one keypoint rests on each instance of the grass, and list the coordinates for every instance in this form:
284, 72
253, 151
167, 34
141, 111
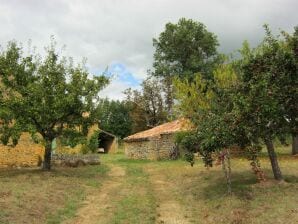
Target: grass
32, 196
69, 210
137, 202
203, 192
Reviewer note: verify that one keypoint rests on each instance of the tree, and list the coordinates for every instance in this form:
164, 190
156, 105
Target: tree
46, 96
185, 48
147, 105
260, 105
114, 117
182, 50
288, 64
267, 100
209, 105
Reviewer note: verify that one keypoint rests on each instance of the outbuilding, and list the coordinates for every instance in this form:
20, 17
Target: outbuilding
156, 143
107, 142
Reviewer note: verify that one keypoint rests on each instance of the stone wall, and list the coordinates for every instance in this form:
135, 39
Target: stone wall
75, 160
155, 148
29, 154
25, 154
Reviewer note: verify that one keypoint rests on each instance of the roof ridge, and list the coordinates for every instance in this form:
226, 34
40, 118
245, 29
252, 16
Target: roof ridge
168, 127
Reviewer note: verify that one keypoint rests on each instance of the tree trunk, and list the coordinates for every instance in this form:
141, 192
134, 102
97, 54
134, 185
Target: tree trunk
273, 159
295, 144
47, 156
226, 166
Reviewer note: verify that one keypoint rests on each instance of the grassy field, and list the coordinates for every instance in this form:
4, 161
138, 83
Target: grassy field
33, 196
132, 191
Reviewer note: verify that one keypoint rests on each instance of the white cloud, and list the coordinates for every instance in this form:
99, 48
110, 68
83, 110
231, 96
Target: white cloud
115, 90
106, 31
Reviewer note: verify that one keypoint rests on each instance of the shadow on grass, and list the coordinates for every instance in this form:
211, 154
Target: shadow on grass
291, 179
79, 172
241, 186
133, 161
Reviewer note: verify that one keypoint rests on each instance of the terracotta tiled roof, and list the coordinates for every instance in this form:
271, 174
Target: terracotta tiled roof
170, 127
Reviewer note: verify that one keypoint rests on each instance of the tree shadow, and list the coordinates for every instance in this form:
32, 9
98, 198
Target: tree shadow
241, 186
13, 172
133, 161
291, 178
83, 172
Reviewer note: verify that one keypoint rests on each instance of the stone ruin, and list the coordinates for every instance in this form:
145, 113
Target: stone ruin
75, 160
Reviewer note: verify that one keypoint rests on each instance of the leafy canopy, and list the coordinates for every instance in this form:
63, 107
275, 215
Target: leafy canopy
44, 95
185, 48
114, 117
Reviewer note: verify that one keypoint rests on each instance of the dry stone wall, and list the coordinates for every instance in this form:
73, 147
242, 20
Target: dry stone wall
25, 154
75, 160
155, 148
29, 154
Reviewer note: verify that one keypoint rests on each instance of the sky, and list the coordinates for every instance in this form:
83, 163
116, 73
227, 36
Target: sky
117, 34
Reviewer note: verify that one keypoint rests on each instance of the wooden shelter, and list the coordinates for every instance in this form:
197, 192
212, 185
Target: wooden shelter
107, 141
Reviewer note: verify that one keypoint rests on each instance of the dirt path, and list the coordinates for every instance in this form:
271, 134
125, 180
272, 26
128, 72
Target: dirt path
169, 210
98, 207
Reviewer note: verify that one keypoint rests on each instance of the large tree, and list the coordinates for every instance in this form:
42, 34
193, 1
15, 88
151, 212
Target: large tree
250, 101
185, 48
209, 105
182, 50
268, 92
46, 95
288, 82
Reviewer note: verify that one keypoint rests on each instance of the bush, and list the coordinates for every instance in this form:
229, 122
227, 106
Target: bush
188, 144
93, 142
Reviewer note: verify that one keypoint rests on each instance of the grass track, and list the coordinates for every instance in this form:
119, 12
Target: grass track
151, 192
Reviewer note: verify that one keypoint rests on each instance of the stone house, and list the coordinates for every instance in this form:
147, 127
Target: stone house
156, 143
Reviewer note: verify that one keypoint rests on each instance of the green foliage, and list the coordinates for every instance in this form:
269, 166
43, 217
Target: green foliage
93, 142
91, 145
248, 100
45, 95
185, 48
188, 143
187, 140
147, 107
114, 117
85, 149
267, 96
181, 51
72, 138
187, 92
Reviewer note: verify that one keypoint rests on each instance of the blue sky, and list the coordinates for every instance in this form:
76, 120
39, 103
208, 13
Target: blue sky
120, 72
121, 78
